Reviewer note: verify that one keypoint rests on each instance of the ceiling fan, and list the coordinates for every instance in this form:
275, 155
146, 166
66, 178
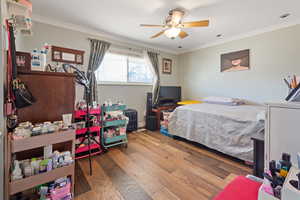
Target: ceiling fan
173, 25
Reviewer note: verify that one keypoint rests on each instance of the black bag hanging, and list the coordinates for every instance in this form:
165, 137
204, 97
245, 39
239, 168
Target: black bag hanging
22, 96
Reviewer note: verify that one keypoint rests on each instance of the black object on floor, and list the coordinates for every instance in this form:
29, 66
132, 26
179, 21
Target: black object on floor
259, 152
133, 119
151, 123
149, 105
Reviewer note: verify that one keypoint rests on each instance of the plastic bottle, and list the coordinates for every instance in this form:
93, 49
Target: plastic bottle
49, 165
35, 165
17, 172
27, 169
35, 61
43, 59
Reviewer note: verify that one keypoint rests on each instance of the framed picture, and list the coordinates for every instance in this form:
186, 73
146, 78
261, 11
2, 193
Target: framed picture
235, 61
56, 55
79, 58
166, 66
23, 61
65, 55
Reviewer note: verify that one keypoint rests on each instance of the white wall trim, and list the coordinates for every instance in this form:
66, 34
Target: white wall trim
244, 35
118, 40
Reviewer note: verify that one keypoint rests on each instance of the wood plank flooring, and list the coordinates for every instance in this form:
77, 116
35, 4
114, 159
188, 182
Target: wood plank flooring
156, 167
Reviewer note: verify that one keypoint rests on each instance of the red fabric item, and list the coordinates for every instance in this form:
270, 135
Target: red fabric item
241, 188
9, 65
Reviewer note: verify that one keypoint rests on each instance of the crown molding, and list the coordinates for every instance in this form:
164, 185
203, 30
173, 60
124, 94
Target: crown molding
118, 40
244, 35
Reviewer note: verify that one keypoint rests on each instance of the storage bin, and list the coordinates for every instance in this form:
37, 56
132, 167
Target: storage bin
133, 119
58, 194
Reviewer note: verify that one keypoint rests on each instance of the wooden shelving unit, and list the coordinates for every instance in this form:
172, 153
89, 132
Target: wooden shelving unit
32, 181
17, 146
41, 140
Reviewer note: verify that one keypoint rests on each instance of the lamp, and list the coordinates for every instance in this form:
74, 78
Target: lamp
172, 32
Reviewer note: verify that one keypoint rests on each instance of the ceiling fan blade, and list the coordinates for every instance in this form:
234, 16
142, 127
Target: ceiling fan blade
195, 24
152, 25
183, 34
158, 34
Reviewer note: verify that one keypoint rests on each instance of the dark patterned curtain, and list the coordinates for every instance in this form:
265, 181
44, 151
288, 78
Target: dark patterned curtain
97, 52
153, 57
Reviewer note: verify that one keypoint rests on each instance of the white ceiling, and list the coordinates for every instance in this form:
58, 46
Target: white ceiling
121, 18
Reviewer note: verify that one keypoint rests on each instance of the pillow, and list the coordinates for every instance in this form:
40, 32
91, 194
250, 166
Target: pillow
223, 100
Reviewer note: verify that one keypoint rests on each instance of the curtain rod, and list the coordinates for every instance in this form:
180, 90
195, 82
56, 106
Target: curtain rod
128, 47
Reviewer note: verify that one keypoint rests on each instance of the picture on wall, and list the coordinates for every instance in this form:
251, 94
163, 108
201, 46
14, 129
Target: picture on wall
166, 66
23, 61
235, 61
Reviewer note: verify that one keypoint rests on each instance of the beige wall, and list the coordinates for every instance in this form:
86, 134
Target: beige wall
273, 55
133, 96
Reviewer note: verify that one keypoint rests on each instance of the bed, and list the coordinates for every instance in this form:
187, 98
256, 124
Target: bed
224, 128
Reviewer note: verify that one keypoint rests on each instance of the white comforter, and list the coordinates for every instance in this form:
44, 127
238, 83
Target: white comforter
227, 129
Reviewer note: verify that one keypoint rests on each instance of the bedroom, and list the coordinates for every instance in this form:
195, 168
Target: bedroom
234, 53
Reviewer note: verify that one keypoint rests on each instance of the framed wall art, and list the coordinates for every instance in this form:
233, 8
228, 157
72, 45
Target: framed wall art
23, 61
235, 61
65, 55
166, 66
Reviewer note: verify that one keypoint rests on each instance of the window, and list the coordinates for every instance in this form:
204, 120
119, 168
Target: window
118, 68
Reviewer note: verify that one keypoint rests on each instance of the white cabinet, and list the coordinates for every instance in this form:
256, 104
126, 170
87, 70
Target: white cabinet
282, 133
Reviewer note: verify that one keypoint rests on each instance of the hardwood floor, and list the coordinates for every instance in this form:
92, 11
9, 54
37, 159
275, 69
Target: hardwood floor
156, 167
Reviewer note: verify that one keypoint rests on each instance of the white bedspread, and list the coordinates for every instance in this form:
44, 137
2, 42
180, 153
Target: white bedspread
227, 129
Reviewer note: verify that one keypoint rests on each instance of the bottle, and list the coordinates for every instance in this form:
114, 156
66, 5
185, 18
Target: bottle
35, 61
26, 167
49, 165
17, 172
43, 59
35, 166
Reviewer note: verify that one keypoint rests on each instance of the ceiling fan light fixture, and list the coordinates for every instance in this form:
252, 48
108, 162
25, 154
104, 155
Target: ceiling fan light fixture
172, 32
176, 15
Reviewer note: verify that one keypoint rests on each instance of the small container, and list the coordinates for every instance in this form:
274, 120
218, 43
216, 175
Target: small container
28, 170
44, 129
37, 130
51, 128
49, 165
43, 165
17, 172
55, 161
35, 165
61, 161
